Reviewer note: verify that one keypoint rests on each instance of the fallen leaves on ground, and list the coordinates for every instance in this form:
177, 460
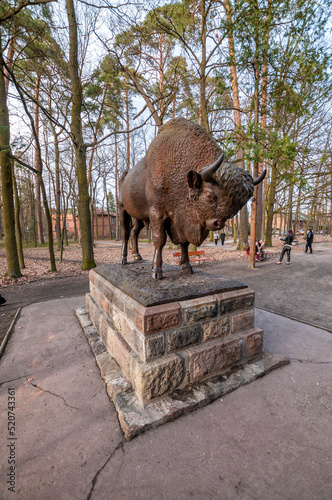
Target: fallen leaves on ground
108, 252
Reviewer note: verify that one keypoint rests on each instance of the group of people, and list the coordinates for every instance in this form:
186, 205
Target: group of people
216, 237
288, 240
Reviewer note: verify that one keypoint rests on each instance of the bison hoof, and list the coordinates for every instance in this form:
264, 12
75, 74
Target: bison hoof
187, 269
157, 275
137, 256
124, 261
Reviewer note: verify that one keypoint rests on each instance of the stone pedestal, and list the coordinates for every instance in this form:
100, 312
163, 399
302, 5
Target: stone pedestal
156, 340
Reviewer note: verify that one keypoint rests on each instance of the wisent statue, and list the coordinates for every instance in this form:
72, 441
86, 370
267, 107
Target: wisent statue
183, 189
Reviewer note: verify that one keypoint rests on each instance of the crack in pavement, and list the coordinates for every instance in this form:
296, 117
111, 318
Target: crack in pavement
53, 394
22, 376
94, 480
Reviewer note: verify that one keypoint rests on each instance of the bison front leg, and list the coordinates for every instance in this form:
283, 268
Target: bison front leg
185, 262
136, 230
125, 221
159, 240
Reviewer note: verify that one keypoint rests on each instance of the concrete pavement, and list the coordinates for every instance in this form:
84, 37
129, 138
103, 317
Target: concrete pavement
269, 440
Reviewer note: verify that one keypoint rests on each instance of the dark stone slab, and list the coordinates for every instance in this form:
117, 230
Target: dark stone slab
135, 280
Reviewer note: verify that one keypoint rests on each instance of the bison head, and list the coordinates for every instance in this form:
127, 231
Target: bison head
220, 192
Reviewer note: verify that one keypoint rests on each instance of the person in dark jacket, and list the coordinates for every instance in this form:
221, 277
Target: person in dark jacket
222, 237
2, 300
310, 239
288, 239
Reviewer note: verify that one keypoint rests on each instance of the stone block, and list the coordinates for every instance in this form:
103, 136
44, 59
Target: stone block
105, 305
157, 318
94, 292
183, 337
156, 377
253, 343
196, 310
131, 335
130, 309
92, 275
119, 299
91, 333
117, 385
154, 345
242, 321
121, 352
236, 300
107, 365
98, 347
216, 328
212, 358
94, 312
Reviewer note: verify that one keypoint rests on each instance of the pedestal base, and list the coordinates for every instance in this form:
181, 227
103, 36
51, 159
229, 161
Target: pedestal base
169, 347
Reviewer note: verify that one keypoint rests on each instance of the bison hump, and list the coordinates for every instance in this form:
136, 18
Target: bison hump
179, 147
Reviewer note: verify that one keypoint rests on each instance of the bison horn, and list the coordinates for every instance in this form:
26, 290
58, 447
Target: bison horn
260, 178
208, 171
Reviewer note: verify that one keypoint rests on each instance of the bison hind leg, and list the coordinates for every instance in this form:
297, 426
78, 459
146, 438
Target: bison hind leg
138, 225
126, 224
185, 262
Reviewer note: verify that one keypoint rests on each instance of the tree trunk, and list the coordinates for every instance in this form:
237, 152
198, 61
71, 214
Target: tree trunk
243, 231
18, 223
117, 222
13, 265
127, 133
203, 115
260, 190
38, 166
57, 188
80, 148
270, 206
10, 55
253, 226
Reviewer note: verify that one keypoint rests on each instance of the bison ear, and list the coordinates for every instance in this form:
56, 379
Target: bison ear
194, 179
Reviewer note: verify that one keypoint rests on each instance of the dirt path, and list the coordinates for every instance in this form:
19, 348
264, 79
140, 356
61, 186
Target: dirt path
39, 291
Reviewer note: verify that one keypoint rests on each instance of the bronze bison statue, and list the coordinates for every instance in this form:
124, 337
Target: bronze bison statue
182, 189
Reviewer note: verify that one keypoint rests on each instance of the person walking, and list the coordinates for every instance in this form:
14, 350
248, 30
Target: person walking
310, 239
222, 238
288, 239
216, 236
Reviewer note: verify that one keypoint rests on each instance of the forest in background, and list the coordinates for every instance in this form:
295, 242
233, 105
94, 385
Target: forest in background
85, 86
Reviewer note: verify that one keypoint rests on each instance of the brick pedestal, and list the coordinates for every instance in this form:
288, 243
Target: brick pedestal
175, 344
167, 347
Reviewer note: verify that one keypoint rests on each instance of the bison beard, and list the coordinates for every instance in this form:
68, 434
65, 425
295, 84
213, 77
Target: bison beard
182, 189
